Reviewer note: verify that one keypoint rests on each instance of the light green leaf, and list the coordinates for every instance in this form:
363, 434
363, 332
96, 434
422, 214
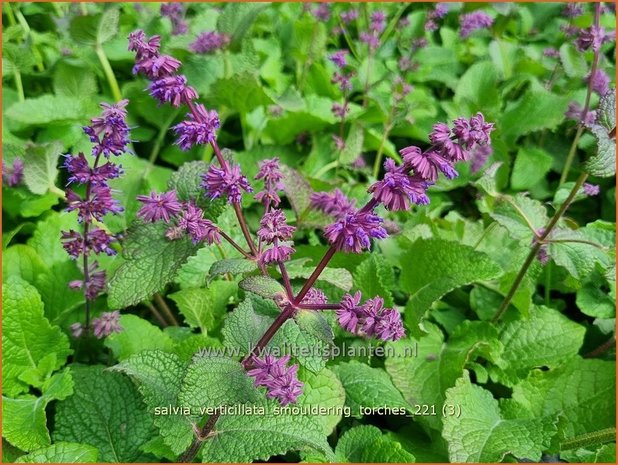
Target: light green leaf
607, 110
216, 382
40, 167
545, 339
262, 286
58, 298
353, 144
62, 452
423, 368
314, 323
236, 19
72, 81
339, 277
595, 302
241, 93
368, 387
204, 308
375, 277
105, 412
479, 86
481, 433
436, 267
603, 163
233, 266
581, 391
27, 336
159, 376
577, 257
137, 335
531, 166
23, 262
520, 215
538, 109
367, 444
46, 237
152, 261
573, 61
50, 109
24, 421
323, 390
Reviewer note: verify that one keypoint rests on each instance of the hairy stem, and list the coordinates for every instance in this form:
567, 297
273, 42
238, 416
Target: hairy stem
590, 439
580, 128
602, 348
387, 129
316, 273
109, 73
537, 245
286, 281
319, 306
234, 244
156, 314
19, 86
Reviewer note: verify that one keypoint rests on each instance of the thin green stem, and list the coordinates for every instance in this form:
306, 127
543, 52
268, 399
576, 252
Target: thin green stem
154, 153
485, 233
580, 129
387, 129
548, 268
326, 168
19, 85
536, 247
109, 73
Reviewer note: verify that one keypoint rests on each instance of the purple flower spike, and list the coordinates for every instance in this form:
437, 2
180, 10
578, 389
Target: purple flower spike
353, 231
108, 323
340, 111
280, 380
218, 182
599, 82
277, 253
427, 164
335, 204
322, 12
77, 330
572, 10
574, 112
200, 128
271, 173
339, 58
175, 12
273, 227
12, 176
144, 48
157, 67
173, 89
473, 21
349, 311
389, 326
378, 21
479, 157
348, 16
109, 133
158, 207
591, 189
200, 229
208, 42
314, 297
397, 189
370, 39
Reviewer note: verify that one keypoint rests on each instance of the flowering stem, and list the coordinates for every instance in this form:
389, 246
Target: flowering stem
109, 73
580, 127
205, 431
245, 229
314, 276
19, 86
286, 280
234, 244
319, 306
537, 245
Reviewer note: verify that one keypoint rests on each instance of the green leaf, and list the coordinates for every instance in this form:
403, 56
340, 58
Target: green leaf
105, 412
241, 93
438, 267
367, 444
603, 163
545, 339
187, 182
95, 29
607, 110
40, 167
137, 335
204, 308
262, 286
48, 109
159, 376
582, 391
58, 298
375, 277
519, 215
62, 452
368, 387
531, 166
480, 433
236, 19
46, 237
22, 261
479, 86
296, 189
274, 430
595, 302
72, 81
233, 266
27, 336
338, 277
577, 257
353, 144
573, 61
314, 323
424, 379
216, 382
152, 261
538, 109
24, 421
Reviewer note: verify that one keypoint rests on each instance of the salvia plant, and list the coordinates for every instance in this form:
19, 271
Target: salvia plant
330, 232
